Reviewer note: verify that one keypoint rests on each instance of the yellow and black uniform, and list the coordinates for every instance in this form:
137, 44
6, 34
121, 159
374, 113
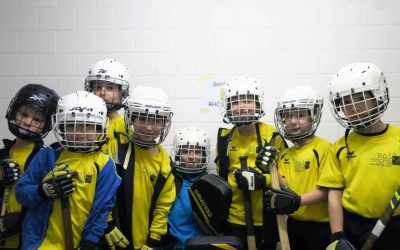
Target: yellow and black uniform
367, 169
90, 202
115, 126
146, 194
240, 145
22, 157
308, 227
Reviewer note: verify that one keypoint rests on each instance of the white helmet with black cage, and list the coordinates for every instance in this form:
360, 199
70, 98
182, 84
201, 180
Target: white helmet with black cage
112, 72
298, 102
81, 122
358, 95
148, 114
242, 101
191, 150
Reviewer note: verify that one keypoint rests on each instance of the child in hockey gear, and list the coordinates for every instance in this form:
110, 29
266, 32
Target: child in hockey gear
297, 117
29, 119
190, 157
148, 190
242, 106
74, 170
109, 79
365, 175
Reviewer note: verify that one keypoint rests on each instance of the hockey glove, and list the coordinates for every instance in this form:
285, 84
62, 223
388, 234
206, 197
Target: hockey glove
266, 156
115, 237
339, 242
58, 183
249, 179
9, 172
282, 201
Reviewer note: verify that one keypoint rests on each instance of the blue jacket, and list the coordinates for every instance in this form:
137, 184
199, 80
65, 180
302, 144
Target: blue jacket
39, 209
180, 220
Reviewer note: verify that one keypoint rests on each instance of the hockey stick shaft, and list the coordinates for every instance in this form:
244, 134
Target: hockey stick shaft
281, 221
6, 195
67, 223
251, 238
383, 221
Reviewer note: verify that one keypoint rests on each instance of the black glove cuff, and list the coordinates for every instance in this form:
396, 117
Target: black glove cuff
152, 242
42, 193
110, 227
87, 245
337, 236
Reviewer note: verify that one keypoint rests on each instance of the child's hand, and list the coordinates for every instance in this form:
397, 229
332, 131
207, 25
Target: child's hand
266, 156
115, 237
9, 172
58, 183
249, 179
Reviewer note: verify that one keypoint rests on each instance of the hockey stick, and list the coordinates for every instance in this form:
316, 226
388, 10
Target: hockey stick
251, 238
282, 226
383, 221
6, 195
66, 214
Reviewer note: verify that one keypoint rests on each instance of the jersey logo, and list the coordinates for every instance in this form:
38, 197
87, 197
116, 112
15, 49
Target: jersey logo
286, 161
37, 98
350, 155
396, 160
102, 71
233, 149
88, 178
307, 164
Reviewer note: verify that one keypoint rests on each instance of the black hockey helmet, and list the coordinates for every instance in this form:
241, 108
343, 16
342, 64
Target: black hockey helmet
38, 97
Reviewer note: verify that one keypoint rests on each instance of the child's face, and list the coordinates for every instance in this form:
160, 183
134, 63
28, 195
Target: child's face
148, 127
297, 121
110, 92
30, 119
80, 132
243, 105
358, 106
191, 154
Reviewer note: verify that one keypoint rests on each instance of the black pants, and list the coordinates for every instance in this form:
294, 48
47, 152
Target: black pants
308, 235
357, 229
241, 232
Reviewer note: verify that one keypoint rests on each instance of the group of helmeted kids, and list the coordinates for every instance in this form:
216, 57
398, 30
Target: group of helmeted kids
107, 183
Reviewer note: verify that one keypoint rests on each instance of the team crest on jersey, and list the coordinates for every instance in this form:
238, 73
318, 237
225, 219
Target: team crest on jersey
396, 160
306, 164
302, 165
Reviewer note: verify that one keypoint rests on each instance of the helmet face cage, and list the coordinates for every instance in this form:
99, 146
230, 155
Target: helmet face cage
285, 114
37, 102
358, 95
113, 72
243, 109
191, 150
359, 110
150, 128
81, 123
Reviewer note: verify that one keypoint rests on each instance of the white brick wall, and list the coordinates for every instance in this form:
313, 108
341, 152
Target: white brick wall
174, 43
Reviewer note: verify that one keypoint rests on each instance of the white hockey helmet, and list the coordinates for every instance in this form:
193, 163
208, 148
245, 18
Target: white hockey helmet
189, 142
242, 89
81, 122
146, 111
110, 71
294, 100
369, 82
